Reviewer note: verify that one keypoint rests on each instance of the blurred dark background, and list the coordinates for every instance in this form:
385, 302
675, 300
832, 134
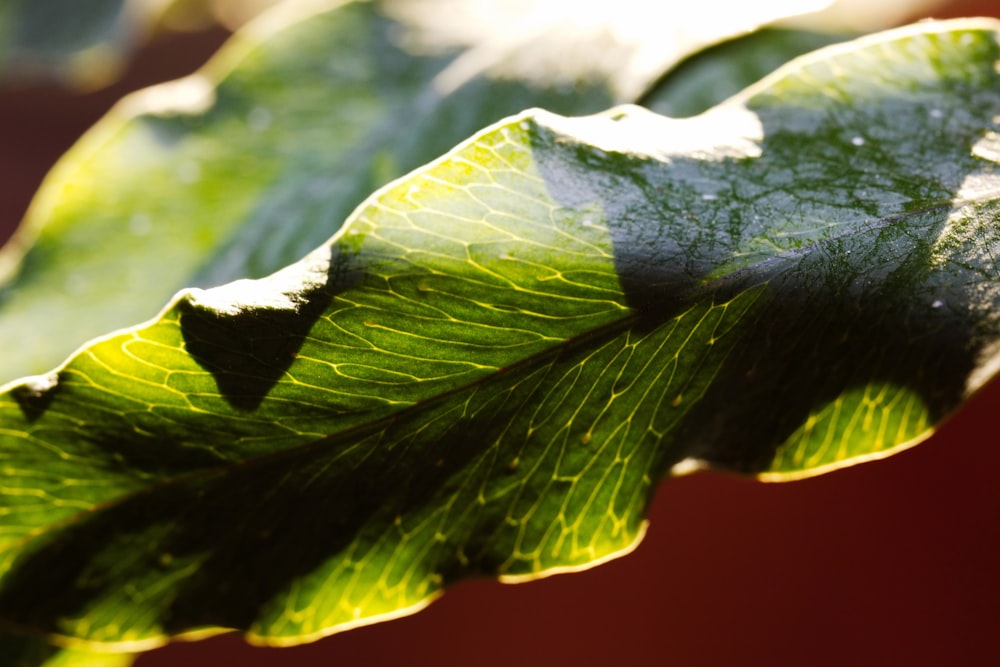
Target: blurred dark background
888, 563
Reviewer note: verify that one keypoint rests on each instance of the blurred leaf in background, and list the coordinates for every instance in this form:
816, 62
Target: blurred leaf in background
247, 165
69, 42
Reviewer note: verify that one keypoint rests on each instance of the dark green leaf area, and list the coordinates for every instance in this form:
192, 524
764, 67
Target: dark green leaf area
25, 651
491, 365
845, 396
31, 651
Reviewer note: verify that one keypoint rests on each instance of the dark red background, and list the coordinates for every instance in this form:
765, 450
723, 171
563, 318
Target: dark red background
888, 563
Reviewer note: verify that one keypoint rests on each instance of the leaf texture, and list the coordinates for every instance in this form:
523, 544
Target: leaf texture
490, 366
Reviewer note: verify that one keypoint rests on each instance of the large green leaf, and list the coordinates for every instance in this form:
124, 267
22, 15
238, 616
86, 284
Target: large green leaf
489, 367
243, 168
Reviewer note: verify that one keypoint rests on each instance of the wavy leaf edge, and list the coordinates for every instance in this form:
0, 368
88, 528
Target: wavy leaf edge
280, 289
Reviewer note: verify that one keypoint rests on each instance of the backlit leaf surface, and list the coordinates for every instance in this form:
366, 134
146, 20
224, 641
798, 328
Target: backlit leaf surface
490, 366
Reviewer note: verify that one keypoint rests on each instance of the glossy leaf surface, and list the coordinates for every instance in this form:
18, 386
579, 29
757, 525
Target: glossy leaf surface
491, 365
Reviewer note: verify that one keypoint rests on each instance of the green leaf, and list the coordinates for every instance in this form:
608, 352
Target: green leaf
243, 168
490, 366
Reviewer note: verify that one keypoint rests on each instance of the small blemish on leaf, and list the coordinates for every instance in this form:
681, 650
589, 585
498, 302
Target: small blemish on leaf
677, 400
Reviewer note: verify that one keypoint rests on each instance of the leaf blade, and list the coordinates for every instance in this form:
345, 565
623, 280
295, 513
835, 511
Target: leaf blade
550, 445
